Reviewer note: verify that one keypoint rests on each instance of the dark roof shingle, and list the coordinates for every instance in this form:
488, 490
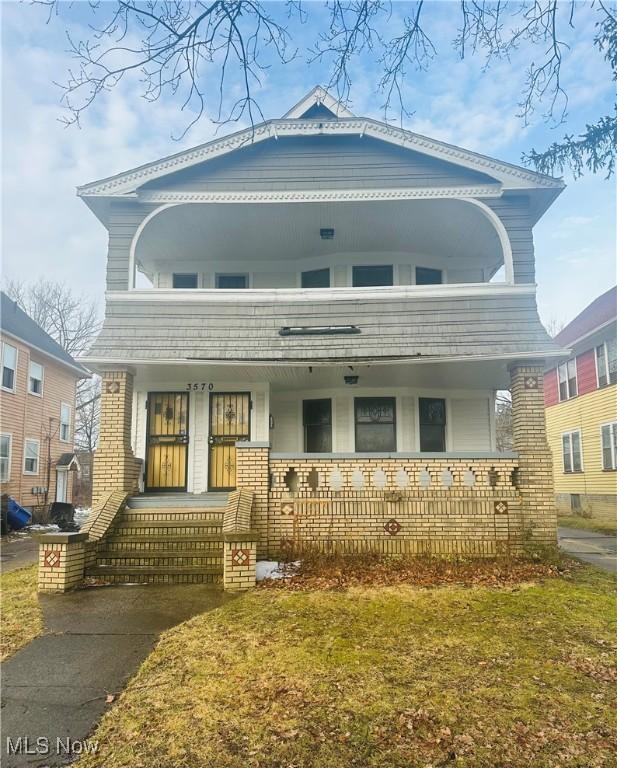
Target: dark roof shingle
601, 311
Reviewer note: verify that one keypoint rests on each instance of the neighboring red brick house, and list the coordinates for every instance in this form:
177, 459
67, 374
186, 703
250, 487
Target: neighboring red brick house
37, 406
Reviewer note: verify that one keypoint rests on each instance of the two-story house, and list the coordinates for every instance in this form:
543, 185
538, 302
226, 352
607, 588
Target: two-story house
581, 412
320, 308
37, 411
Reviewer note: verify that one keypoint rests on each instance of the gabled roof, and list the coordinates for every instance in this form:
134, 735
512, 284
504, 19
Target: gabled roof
15, 322
600, 312
305, 119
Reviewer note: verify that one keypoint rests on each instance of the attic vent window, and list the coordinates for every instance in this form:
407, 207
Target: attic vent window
326, 234
317, 330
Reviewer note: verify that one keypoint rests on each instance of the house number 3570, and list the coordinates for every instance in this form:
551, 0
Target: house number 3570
199, 386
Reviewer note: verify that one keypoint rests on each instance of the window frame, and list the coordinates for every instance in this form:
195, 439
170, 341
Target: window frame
30, 377
306, 425
612, 425
8, 389
70, 423
390, 398
428, 269
218, 275
372, 266
312, 272
568, 379
569, 434
607, 372
445, 424
8, 458
26, 457
184, 274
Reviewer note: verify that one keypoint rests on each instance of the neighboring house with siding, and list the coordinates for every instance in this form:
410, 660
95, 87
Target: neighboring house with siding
581, 412
37, 411
321, 309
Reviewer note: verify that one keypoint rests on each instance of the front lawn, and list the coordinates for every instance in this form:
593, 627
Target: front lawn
588, 524
483, 676
22, 619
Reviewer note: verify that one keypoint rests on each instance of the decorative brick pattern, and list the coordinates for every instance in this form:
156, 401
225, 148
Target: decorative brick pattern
392, 527
51, 558
61, 561
239, 562
115, 465
240, 558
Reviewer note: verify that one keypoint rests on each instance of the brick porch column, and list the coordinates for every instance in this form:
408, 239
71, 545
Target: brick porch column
115, 465
253, 474
535, 460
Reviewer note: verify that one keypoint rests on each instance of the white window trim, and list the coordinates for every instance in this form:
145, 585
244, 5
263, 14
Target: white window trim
10, 456
38, 456
62, 440
580, 441
569, 396
7, 389
613, 426
604, 346
30, 392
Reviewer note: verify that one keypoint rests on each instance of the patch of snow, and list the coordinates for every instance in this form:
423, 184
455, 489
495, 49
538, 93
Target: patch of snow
271, 569
82, 514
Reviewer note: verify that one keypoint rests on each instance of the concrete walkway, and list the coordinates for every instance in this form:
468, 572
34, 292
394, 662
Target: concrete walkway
94, 641
599, 549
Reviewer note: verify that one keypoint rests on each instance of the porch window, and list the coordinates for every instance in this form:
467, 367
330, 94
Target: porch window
427, 276
317, 420
5, 457
606, 363
35, 378
375, 419
31, 457
571, 450
567, 380
316, 278
9, 366
233, 282
609, 446
65, 423
184, 280
432, 424
365, 277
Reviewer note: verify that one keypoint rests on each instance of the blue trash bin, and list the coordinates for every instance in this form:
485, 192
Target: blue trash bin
17, 516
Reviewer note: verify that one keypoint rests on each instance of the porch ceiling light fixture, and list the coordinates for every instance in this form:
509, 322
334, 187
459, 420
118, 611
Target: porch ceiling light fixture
326, 233
317, 330
351, 380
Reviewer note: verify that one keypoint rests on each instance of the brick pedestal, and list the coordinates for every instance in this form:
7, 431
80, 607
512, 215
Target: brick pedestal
252, 473
61, 561
115, 465
535, 475
239, 561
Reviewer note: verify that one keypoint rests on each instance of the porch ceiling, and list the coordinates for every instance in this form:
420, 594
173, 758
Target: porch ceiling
278, 232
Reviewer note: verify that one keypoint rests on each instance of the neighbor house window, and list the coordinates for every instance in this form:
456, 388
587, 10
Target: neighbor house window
427, 276
317, 421
364, 277
9, 366
432, 424
35, 378
316, 278
606, 363
375, 419
184, 280
609, 446
31, 457
65, 423
567, 380
232, 281
571, 449
5, 457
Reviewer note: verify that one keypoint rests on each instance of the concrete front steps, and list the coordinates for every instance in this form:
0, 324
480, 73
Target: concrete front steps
166, 539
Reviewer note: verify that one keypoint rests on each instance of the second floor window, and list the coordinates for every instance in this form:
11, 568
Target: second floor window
316, 278
232, 281
184, 280
65, 423
609, 446
365, 277
9, 367
567, 380
35, 378
31, 457
606, 363
427, 276
5, 457
571, 449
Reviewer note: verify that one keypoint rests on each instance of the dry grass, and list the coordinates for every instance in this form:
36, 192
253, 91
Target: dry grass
22, 619
588, 524
391, 677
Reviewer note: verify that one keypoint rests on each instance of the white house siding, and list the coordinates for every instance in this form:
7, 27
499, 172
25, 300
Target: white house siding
470, 418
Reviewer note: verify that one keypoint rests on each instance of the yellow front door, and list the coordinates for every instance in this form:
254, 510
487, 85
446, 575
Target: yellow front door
167, 441
230, 418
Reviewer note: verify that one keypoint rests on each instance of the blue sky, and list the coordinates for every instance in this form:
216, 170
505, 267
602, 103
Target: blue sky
48, 232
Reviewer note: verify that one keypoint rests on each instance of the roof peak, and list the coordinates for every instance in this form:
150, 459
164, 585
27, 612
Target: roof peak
318, 97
